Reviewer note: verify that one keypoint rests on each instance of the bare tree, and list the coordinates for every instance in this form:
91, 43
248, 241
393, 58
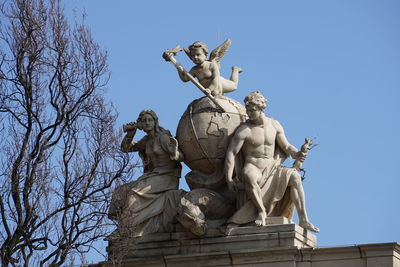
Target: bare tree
60, 153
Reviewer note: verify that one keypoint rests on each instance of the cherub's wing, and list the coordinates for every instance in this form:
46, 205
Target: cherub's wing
218, 53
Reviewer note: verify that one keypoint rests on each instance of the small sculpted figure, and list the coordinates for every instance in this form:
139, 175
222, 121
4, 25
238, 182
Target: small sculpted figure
148, 204
271, 188
207, 71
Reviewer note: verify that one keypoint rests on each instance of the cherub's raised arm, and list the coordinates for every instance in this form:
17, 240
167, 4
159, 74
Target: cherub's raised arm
182, 74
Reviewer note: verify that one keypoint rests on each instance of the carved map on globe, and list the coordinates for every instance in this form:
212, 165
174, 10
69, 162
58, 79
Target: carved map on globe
204, 132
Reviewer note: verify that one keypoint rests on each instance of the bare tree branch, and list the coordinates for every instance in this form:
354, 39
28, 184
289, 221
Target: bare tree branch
60, 153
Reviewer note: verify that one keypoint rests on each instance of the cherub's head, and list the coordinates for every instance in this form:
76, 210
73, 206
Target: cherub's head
255, 104
198, 52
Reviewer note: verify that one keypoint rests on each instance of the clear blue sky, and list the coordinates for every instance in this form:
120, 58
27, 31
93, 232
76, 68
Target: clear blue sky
330, 69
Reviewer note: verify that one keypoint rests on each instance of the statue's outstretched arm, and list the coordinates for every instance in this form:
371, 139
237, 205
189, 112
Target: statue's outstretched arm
283, 142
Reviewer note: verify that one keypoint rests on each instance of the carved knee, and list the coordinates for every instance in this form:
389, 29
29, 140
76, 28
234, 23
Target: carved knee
249, 180
295, 180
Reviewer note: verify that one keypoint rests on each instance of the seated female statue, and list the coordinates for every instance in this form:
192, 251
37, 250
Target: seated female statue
148, 205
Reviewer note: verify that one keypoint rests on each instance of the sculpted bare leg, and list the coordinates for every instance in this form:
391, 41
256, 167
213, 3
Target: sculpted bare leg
231, 84
235, 74
297, 195
252, 175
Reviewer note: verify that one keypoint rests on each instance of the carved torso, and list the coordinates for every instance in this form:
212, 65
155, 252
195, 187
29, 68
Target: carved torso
153, 151
259, 144
204, 73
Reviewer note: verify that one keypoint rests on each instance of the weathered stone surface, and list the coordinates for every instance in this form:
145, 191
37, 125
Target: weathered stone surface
278, 220
368, 255
199, 204
203, 134
216, 240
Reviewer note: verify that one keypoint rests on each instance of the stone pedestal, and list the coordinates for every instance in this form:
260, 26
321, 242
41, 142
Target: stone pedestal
217, 240
280, 245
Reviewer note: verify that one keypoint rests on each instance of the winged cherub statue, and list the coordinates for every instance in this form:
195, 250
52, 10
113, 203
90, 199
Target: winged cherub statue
208, 71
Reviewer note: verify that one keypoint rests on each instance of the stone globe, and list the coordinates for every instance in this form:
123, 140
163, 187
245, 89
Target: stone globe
204, 132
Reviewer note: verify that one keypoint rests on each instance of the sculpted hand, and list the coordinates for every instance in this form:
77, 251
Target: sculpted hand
180, 69
208, 91
301, 156
173, 148
130, 129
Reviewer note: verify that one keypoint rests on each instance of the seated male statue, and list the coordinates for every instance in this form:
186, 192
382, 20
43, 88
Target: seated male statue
271, 189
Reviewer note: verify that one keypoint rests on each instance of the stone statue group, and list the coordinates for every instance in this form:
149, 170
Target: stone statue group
235, 155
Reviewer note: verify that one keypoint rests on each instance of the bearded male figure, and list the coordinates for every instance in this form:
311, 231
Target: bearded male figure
271, 188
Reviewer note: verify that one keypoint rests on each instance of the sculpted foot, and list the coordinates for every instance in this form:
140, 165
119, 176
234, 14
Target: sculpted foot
236, 68
261, 219
309, 226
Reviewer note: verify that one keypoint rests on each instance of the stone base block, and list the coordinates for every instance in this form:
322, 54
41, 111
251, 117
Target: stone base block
369, 255
217, 240
278, 220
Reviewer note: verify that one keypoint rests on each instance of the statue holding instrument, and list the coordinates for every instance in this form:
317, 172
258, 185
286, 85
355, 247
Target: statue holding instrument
271, 189
148, 204
206, 71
